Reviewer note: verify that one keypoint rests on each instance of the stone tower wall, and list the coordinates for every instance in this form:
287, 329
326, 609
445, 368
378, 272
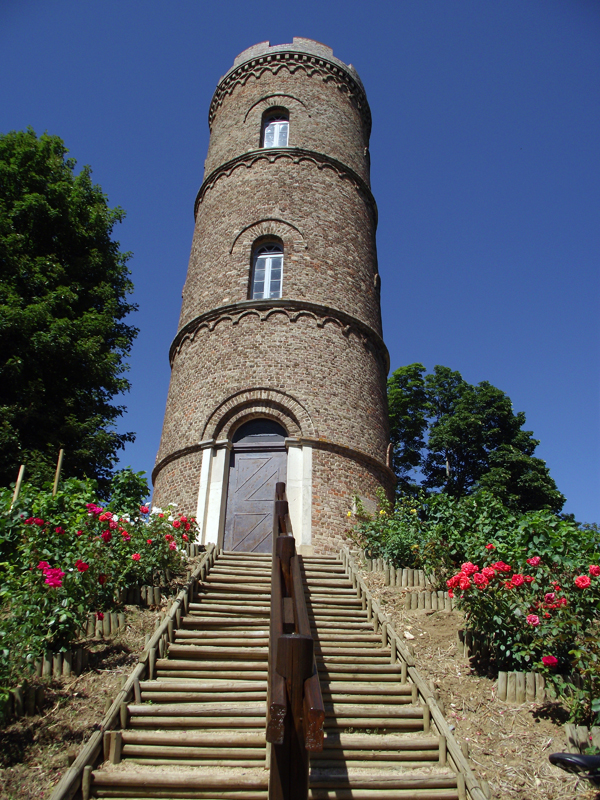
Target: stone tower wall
313, 359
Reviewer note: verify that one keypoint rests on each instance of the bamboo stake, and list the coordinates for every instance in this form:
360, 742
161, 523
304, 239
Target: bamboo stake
18, 485
59, 464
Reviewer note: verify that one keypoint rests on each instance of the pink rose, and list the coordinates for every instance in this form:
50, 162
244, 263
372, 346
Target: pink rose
534, 561
43, 565
549, 597
533, 619
54, 577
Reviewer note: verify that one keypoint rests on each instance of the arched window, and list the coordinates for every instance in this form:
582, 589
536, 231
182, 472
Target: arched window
275, 129
267, 272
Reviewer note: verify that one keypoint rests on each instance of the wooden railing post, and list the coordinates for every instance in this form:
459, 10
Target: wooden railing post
295, 711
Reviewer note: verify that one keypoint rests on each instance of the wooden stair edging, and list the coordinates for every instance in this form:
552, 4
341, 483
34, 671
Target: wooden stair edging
93, 749
399, 649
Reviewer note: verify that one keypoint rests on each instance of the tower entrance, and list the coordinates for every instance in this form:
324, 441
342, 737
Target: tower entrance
258, 461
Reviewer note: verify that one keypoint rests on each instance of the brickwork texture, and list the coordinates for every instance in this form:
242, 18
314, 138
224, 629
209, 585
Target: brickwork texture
313, 359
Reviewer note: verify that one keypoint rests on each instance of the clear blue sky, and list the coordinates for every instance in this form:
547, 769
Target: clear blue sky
486, 129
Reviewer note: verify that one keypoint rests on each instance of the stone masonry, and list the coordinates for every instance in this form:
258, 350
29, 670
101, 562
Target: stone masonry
313, 359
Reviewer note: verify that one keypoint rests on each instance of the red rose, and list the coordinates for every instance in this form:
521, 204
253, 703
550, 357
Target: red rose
102, 579
518, 580
136, 556
107, 536
464, 582
582, 581
185, 537
469, 568
176, 523
594, 570
100, 615
144, 509
549, 661
488, 572
490, 547
148, 541
534, 561
81, 565
529, 579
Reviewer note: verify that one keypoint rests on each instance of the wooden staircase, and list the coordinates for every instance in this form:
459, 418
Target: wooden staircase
197, 728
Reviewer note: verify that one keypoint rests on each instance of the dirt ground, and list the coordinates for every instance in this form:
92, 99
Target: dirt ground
508, 744
34, 751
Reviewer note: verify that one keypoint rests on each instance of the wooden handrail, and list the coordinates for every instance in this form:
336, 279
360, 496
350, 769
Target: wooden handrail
295, 711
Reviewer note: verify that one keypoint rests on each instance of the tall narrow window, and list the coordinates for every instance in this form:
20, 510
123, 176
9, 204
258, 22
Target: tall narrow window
275, 129
267, 272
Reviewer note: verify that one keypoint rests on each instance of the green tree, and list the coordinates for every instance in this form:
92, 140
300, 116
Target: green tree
63, 298
408, 408
474, 441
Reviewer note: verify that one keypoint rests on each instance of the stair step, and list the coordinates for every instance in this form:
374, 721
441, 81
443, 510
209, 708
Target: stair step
215, 666
202, 686
198, 652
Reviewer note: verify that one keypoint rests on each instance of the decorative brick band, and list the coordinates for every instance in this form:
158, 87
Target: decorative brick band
349, 452
295, 154
184, 451
293, 61
293, 310
317, 444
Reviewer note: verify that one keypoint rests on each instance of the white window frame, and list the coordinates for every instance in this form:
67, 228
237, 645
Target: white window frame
280, 125
263, 260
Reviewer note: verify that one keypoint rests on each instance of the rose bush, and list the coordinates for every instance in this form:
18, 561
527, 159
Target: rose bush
529, 584
68, 555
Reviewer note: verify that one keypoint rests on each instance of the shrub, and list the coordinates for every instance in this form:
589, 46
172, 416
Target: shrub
66, 556
529, 584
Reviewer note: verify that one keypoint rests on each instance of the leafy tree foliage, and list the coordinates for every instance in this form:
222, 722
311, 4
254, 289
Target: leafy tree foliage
63, 298
408, 407
474, 440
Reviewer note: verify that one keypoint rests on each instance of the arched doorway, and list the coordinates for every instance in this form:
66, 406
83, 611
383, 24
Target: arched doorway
257, 462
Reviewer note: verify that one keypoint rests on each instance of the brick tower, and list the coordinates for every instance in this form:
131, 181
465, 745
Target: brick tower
278, 365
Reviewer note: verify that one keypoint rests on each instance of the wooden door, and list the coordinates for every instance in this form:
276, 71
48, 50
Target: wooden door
250, 496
